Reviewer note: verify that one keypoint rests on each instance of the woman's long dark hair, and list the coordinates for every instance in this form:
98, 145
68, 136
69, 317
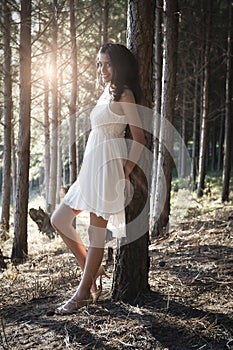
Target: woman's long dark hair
125, 71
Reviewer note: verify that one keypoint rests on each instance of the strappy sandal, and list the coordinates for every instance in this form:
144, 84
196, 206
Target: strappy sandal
101, 272
72, 306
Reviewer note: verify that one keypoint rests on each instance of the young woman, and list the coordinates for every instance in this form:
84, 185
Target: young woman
104, 175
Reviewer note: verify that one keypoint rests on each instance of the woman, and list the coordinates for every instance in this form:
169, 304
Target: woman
104, 176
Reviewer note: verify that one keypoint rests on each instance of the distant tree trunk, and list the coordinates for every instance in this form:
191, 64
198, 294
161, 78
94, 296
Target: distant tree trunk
167, 112
46, 139
157, 103
194, 147
59, 145
228, 111
20, 248
183, 134
54, 119
132, 261
6, 177
213, 150
14, 166
73, 97
205, 107
220, 147
105, 21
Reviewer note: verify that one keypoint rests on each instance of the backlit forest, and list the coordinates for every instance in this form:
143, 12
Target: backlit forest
182, 260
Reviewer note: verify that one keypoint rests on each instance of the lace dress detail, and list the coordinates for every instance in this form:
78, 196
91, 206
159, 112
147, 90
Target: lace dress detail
100, 185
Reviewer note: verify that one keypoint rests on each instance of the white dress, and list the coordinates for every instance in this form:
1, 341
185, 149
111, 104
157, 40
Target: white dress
100, 186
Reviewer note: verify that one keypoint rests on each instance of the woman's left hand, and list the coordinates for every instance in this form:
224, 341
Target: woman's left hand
127, 185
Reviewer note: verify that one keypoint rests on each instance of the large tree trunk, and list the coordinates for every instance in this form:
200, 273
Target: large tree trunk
73, 97
228, 112
163, 189
20, 248
6, 178
54, 119
205, 107
132, 261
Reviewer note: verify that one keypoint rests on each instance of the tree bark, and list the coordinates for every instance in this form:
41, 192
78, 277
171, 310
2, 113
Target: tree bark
46, 139
20, 248
183, 134
213, 149
221, 138
54, 119
59, 144
228, 111
167, 112
194, 147
105, 21
205, 107
157, 104
73, 97
14, 166
6, 178
130, 279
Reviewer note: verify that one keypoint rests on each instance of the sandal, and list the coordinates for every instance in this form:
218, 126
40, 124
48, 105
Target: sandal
97, 293
72, 305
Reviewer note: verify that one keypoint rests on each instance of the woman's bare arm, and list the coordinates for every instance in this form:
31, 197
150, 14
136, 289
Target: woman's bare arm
130, 111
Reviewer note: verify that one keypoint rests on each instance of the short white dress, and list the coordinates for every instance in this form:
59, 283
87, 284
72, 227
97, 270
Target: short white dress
100, 186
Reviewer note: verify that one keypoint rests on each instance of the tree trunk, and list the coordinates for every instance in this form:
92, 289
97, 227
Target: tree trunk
6, 178
20, 248
73, 97
46, 139
228, 112
205, 107
221, 137
14, 166
59, 145
157, 104
213, 149
167, 112
194, 147
54, 119
105, 21
183, 134
132, 262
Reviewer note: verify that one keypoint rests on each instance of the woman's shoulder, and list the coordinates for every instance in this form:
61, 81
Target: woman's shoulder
127, 95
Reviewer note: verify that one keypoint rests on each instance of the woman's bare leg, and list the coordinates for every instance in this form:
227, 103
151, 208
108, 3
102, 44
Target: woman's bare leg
97, 234
62, 219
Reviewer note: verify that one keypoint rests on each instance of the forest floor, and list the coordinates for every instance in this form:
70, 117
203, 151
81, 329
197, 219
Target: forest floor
189, 307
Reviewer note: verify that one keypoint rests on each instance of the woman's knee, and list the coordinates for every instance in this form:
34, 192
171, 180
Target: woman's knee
57, 217
54, 220
63, 216
97, 236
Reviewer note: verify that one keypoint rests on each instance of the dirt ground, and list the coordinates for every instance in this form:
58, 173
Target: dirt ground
189, 307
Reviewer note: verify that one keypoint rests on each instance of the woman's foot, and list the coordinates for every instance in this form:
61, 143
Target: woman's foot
75, 303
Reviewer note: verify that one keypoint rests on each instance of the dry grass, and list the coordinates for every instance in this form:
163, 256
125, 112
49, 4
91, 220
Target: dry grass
189, 306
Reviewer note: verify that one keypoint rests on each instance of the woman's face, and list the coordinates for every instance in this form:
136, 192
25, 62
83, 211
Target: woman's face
104, 67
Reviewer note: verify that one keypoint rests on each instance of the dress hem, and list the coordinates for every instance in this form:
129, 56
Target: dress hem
117, 233
97, 213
